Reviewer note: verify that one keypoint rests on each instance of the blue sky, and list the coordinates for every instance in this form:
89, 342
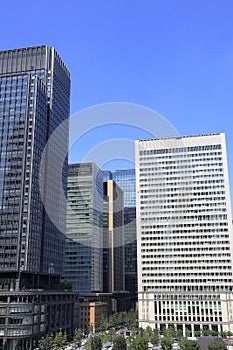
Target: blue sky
173, 56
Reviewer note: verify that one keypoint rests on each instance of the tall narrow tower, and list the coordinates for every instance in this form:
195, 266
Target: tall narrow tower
34, 100
184, 233
113, 230
84, 230
125, 178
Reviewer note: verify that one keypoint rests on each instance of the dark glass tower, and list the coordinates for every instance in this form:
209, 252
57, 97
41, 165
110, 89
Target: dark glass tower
113, 233
125, 178
84, 229
34, 100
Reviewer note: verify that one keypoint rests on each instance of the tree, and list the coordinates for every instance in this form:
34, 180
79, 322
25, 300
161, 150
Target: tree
154, 338
131, 320
77, 335
141, 331
60, 340
46, 341
119, 343
169, 332
188, 344
139, 343
96, 343
197, 333
213, 333
105, 336
226, 334
166, 343
111, 334
217, 345
88, 344
229, 334
206, 331
179, 334
126, 319
104, 324
148, 332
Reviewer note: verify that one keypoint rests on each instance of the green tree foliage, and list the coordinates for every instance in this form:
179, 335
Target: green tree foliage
166, 343
225, 334
88, 344
154, 338
119, 343
151, 334
197, 333
169, 332
139, 343
112, 334
147, 332
46, 342
96, 343
207, 332
105, 336
120, 319
188, 344
104, 324
179, 334
60, 340
77, 335
217, 345
141, 331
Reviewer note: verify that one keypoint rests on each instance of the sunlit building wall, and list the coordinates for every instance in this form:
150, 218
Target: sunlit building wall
184, 233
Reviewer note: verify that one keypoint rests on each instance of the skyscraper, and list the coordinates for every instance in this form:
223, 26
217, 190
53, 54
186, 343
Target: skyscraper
84, 242
34, 100
125, 178
113, 235
184, 233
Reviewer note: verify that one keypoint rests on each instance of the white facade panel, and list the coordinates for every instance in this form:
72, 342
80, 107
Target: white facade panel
184, 232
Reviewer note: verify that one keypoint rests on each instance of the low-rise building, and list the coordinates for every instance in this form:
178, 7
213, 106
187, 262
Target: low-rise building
91, 313
27, 316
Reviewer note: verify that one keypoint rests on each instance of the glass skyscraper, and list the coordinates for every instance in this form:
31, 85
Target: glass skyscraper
34, 100
84, 229
125, 178
113, 235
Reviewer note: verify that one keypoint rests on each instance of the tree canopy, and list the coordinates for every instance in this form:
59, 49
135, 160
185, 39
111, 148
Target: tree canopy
119, 343
166, 343
188, 344
139, 343
217, 345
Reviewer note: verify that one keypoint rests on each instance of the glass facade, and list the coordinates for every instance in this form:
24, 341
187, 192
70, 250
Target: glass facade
28, 315
113, 230
34, 100
84, 229
125, 179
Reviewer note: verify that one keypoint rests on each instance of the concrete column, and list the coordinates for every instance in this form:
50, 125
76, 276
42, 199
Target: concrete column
192, 330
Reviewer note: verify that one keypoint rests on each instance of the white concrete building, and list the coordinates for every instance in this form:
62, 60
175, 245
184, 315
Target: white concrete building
184, 233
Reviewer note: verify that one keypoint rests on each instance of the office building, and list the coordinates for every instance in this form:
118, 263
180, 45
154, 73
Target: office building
84, 230
91, 314
34, 100
29, 314
184, 233
116, 302
113, 237
125, 179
